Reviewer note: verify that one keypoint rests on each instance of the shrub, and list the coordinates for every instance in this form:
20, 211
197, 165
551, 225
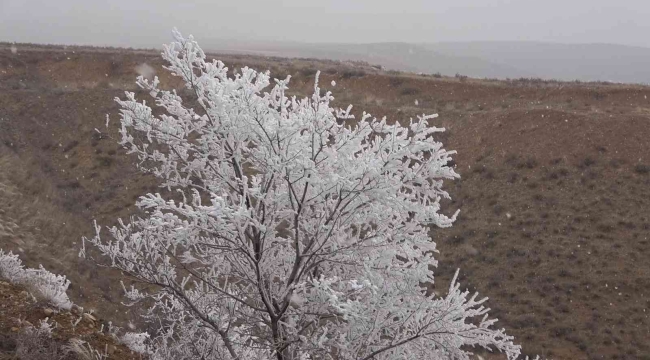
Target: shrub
37, 344
308, 72
136, 342
395, 81
40, 282
299, 235
587, 162
352, 73
409, 91
84, 351
460, 77
11, 268
642, 169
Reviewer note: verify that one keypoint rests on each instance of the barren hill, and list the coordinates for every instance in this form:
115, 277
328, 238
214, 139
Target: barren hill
554, 195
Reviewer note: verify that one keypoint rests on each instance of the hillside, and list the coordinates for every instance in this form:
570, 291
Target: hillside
554, 195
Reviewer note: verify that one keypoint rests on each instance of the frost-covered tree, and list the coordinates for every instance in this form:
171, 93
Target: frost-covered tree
302, 233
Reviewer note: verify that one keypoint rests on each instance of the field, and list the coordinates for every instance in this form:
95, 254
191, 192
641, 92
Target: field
554, 194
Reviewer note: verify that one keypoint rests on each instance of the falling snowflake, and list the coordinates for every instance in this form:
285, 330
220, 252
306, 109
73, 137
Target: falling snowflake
14, 49
145, 70
333, 83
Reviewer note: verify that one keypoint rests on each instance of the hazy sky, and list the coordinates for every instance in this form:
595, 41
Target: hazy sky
148, 22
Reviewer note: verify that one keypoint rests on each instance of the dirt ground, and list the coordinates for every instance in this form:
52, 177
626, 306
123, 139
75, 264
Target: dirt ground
19, 311
554, 194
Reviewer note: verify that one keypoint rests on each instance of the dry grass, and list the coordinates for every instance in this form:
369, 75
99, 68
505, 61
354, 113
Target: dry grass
71, 338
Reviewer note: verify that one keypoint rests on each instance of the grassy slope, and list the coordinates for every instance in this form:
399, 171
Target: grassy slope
554, 199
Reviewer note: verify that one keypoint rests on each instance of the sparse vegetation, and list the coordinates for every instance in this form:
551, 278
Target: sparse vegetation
308, 72
32, 332
396, 81
408, 91
642, 169
352, 73
37, 116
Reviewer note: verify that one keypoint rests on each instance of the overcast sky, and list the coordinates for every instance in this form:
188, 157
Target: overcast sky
148, 22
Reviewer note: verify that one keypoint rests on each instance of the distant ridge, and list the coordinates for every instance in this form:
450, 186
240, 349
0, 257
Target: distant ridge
587, 62
393, 56
481, 59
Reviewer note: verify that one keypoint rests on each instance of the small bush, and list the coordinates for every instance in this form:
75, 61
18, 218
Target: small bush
106, 161
519, 163
38, 344
114, 67
82, 350
587, 162
597, 95
70, 146
11, 268
278, 72
8, 344
395, 81
437, 75
308, 72
40, 282
136, 342
409, 91
642, 169
531, 163
351, 73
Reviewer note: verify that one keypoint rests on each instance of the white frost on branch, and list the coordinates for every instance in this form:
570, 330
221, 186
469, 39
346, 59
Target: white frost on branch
136, 342
297, 231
